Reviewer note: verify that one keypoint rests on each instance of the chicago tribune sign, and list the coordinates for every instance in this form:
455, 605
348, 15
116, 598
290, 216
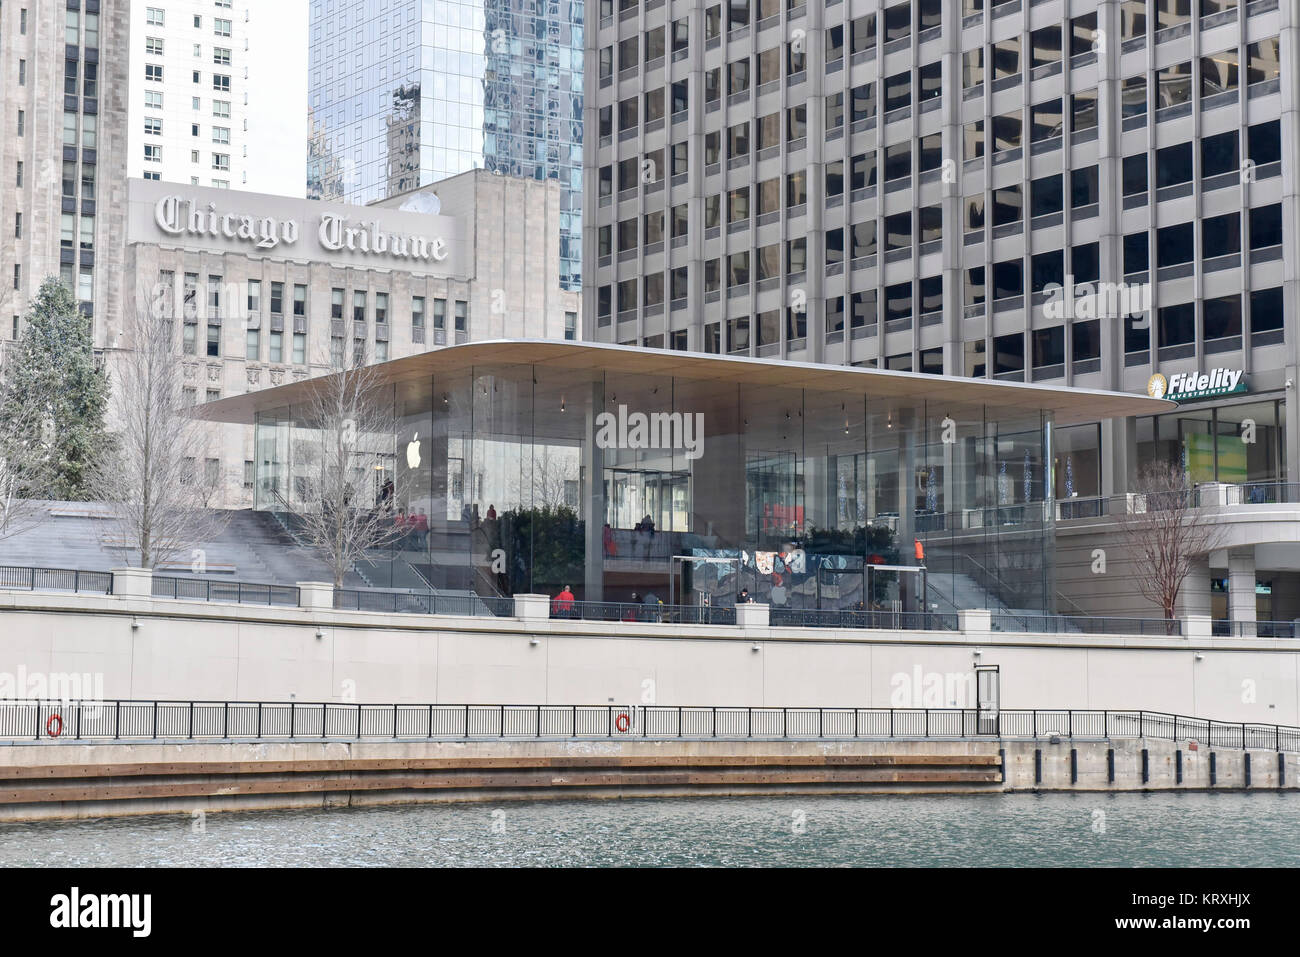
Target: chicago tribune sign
177, 216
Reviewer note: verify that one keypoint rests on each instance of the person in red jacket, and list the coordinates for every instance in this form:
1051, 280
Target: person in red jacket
563, 604
920, 552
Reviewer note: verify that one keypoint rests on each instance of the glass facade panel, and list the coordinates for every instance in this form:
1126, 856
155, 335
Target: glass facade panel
516, 479
402, 96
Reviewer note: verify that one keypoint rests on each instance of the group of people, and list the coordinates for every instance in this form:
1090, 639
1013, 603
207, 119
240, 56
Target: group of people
412, 528
640, 544
469, 514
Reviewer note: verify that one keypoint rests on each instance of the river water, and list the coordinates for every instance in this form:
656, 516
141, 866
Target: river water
1158, 829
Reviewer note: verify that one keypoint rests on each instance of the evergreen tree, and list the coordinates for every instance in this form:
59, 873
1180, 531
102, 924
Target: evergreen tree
54, 373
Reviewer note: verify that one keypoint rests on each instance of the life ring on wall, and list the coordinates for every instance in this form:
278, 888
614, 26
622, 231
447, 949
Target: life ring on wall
49, 725
623, 722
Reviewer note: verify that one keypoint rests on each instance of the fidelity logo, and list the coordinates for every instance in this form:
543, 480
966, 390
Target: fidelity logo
1182, 386
133, 911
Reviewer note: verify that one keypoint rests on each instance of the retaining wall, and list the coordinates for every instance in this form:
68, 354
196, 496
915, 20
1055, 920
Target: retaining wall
154, 649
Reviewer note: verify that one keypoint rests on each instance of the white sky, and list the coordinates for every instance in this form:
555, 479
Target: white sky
277, 102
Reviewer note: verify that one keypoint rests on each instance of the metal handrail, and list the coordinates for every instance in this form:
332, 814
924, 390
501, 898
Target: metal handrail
214, 590
393, 601
871, 619
1087, 624
434, 603
640, 612
33, 578
174, 721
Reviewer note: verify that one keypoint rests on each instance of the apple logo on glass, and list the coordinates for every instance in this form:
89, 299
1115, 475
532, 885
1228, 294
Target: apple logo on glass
413, 452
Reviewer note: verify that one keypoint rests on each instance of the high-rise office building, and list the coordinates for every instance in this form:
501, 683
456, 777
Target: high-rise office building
404, 94
212, 88
1087, 194
62, 155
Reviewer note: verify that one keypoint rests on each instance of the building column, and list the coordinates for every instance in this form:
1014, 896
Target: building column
907, 535
593, 499
1241, 590
1194, 596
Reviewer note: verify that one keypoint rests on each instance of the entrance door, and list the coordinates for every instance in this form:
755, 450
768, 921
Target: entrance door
987, 699
898, 590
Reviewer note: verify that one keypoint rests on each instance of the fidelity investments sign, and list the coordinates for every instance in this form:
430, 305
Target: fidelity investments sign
177, 216
1183, 386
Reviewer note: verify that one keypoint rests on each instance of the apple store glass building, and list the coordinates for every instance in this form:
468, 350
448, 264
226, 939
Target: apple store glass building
523, 467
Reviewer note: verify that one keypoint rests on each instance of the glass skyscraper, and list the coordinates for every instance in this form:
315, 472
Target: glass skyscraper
407, 92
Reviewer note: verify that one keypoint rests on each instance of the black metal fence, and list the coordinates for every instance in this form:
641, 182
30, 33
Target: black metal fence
1255, 629
55, 579
422, 603
848, 618
638, 611
1088, 624
212, 589
238, 720
431, 603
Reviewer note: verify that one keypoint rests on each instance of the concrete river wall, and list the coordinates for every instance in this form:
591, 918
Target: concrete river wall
71, 780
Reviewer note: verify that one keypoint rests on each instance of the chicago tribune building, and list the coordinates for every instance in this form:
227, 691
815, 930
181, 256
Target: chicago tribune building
1080, 194
272, 290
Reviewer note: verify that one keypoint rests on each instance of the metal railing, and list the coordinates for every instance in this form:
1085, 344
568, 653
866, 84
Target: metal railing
433, 603
28, 719
639, 612
1202, 496
1086, 624
422, 603
55, 579
1255, 629
1265, 493
210, 589
849, 618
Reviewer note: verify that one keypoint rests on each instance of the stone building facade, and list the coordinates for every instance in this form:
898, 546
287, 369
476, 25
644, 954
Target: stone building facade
270, 290
62, 154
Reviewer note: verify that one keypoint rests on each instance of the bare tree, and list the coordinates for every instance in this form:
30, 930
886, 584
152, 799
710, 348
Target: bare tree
344, 468
152, 477
1165, 533
24, 465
